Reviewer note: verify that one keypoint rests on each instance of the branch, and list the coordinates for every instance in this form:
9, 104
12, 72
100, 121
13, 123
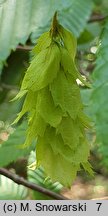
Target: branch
21, 181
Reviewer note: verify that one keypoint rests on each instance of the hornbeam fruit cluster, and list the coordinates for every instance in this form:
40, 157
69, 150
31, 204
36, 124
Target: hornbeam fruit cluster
56, 120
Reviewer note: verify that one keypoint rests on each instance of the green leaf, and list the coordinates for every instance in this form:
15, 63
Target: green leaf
99, 99
85, 37
61, 167
43, 69
70, 41
76, 17
69, 66
12, 147
87, 166
19, 95
36, 128
28, 103
75, 155
66, 94
42, 43
46, 108
9, 190
70, 134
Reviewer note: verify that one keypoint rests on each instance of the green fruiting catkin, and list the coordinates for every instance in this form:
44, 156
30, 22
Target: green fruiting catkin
52, 99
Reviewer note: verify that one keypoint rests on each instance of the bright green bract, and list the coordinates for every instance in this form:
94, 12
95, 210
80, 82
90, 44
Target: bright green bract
56, 119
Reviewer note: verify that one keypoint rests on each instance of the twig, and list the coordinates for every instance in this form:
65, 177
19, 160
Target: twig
25, 48
97, 18
20, 180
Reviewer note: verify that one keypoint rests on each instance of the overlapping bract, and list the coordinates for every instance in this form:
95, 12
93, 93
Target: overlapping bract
53, 101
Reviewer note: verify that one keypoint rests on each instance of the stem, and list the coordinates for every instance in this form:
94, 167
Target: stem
54, 26
20, 180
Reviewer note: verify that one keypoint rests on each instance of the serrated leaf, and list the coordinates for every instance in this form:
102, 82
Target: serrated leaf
43, 42
69, 66
43, 69
65, 93
46, 108
70, 42
29, 103
75, 155
36, 128
61, 168
70, 134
